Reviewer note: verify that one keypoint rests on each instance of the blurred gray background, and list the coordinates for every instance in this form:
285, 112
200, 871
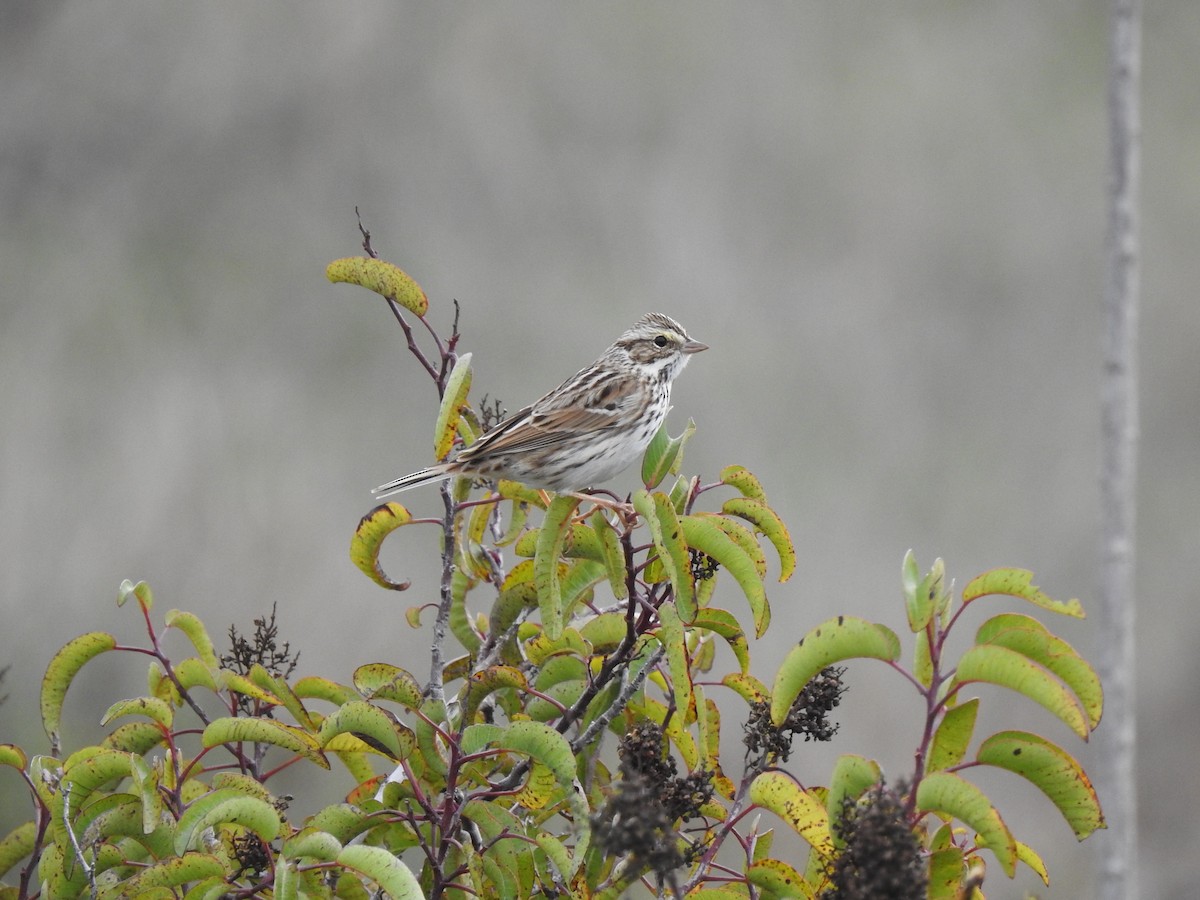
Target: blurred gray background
886, 219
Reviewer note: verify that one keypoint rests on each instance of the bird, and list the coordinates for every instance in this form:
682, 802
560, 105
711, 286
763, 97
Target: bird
586, 430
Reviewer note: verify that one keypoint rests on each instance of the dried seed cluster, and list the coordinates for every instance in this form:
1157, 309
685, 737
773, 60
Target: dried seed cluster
639, 819
882, 854
808, 716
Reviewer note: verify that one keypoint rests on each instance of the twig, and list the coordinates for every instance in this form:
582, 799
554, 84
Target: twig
435, 690
89, 871
632, 686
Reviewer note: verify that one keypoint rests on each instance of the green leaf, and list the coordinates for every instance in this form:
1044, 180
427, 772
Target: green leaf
17, 845
240, 684
555, 525
134, 737
278, 686
89, 768
557, 853
190, 624
376, 727
225, 807
151, 707
672, 636
664, 455
503, 835
605, 632
843, 637
779, 792
454, 398
922, 660
385, 279
946, 872
383, 681
741, 478
62, 671
231, 730
747, 687
312, 687
312, 843
460, 622
703, 534
723, 623
140, 592
778, 879
1010, 669
12, 755
169, 873
946, 793
1018, 583
546, 746
665, 527
342, 821
612, 555
114, 816
852, 776
910, 577
767, 521
1027, 855
384, 869
708, 732
743, 537
193, 672
146, 784
578, 582
368, 538
486, 682
921, 597
1052, 770
1029, 637
952, 737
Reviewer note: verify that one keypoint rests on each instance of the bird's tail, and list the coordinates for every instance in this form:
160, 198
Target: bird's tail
416, 479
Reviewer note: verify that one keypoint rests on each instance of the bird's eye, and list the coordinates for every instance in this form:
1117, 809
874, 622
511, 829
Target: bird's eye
661, 341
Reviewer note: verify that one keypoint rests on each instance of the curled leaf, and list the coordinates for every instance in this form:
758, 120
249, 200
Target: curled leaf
767, 521
384, 868
454, 398
745, 481
158, 710
220, 807
368, 538
1052, 770
62, 671
383, 681
843, 637
1018, 583
1010, 669
1029, 637
659, 515
230, 730
948, 794
190, 624
952, 737
376, 727
555, 526
779, 792
385, 279
703, 534
664, 455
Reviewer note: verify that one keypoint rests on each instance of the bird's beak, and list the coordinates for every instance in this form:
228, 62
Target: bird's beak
694, 347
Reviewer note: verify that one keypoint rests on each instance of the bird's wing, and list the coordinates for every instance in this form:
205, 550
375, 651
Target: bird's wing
570, 410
